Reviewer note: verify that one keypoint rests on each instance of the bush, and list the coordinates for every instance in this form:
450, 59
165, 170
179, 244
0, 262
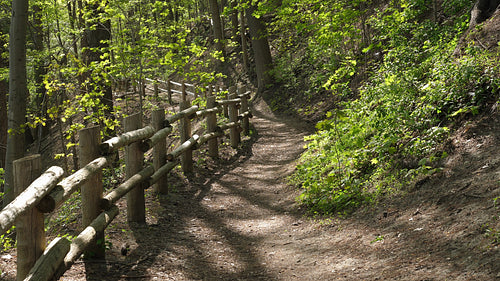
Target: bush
393, 131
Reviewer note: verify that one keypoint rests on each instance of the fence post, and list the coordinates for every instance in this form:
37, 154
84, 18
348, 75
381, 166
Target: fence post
156, 91
183, 92
91, 191
169, 92
159, 150
234, 134
185, 134
30, 226
225, 107
243, 109
143, 87
213, 147
136, 208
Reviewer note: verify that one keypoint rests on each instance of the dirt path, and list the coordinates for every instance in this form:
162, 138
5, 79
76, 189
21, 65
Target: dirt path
239, 223
242, 222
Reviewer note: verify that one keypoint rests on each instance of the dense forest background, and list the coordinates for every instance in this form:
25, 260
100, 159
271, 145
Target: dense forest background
385, 82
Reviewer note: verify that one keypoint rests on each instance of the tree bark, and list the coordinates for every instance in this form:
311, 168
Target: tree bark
234, 22
261, 50
217, 26
39, 70
4, 89
244, 50
39, 67
483, 10
95, 41
71, 6
18, 92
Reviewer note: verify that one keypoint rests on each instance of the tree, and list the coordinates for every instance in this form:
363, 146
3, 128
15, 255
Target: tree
4, 87
260, 45
483, 10
243, 34
4, 82
39, 68
217, 26
234, 21
96, 39
18, 92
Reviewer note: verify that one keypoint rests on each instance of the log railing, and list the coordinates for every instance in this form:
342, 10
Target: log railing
171, 87
39, 194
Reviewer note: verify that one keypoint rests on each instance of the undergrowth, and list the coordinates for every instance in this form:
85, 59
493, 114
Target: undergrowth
7, 240
393, 131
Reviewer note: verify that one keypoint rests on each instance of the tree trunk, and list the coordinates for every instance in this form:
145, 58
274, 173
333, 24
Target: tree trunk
217, 26
18, 92
234, 22
4, 88
483, 10
96, 38
244, 50
39, 72
262, 53
71, 6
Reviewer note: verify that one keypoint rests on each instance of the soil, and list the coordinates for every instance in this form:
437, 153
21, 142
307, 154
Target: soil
235, 218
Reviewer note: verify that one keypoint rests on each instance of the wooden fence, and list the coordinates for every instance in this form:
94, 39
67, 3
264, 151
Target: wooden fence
39, 194
171, 87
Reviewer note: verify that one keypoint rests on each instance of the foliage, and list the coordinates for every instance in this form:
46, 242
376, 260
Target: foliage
2, 181
7, 241
492, 229
113, 175
2, 171
393, 131
330, 36
150, 39
67, 215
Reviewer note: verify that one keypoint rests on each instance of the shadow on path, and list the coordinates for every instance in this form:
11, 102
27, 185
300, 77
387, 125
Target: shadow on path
214, 226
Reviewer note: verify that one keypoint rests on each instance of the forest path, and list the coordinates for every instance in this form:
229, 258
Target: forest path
238, 223
236, 219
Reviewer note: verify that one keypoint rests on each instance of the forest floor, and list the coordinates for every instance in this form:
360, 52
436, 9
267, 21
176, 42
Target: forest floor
235, 218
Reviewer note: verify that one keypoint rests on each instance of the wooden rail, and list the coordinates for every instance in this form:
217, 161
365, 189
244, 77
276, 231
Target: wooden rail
44, 193
172, 87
